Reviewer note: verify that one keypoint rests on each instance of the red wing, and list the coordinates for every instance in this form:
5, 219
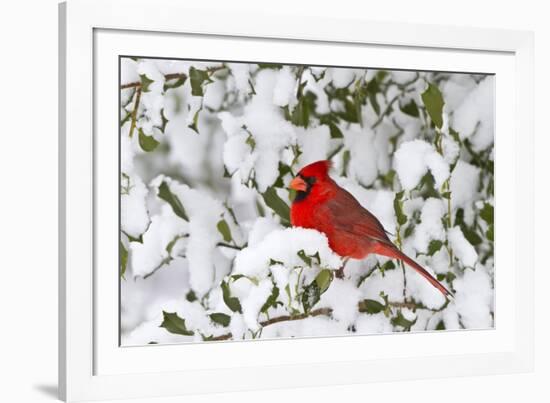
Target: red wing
349, 216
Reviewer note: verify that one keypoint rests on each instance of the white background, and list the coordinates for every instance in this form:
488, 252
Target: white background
28, 200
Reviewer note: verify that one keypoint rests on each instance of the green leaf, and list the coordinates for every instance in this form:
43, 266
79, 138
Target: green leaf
174, 324
372, 89
389, 265
302, 255
198, 77
174, 83
400, 320
232, 303
305, 107
345, 162
434, 247
191, 296
165, 194
370, 306
147, 143
454, 134
275, 66
410, 109
433, 101
275, 203
195, 124
145, 82
251, 142
440, 325
310, 296
271, 301
273, 262
253, 280
335, 132
323, 279
313, 291
223, 228
220, 318
490, 233
123, 259
487, 213
398, 208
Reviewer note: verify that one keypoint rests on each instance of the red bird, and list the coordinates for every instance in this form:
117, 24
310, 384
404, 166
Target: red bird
352, 231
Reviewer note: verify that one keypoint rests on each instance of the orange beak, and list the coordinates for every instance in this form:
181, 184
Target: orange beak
298, 184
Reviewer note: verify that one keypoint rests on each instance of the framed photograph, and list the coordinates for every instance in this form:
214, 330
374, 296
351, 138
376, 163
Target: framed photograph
246, 209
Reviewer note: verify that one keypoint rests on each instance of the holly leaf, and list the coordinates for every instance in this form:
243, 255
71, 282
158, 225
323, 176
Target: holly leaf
275, 203
145, 82
198, 77
487, 213
434, 247
410, 109
166, 194
174, 324
433, 101
398, 208
271, 301
370, 306
323, 280
223, 228
147, 143
403, 322
123, 259
220, 318
232, 303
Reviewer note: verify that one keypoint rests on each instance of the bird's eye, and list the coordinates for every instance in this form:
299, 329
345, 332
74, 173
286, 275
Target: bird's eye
310, 180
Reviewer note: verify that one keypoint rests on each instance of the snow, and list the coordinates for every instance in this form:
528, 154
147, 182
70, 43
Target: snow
254, 301
461, 247
284, 92
431, 226
283, 246
134, 217
341, 78
204, 213
147, 256
360, 143
474, 298
476, 109
414, 158
464, 183
342, 297
315, 143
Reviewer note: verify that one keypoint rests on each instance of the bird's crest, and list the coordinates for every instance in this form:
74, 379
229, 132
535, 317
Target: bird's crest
318, 169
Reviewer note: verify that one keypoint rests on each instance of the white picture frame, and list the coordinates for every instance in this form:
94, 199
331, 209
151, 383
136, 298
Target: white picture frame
91, 364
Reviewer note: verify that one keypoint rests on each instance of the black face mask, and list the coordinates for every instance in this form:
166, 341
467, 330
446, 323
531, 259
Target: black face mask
309, 180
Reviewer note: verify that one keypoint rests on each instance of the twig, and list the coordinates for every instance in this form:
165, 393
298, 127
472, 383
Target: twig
134, 112
335, 151
284, 318
227, 245
167, 77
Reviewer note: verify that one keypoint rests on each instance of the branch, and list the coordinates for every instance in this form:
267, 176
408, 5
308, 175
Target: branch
227, 245
284, 318
134, 112
167, 77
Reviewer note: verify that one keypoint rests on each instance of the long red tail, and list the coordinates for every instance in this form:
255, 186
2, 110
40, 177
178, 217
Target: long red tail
397, 254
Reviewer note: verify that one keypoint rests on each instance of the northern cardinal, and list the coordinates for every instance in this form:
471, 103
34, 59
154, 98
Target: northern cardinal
352, 231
